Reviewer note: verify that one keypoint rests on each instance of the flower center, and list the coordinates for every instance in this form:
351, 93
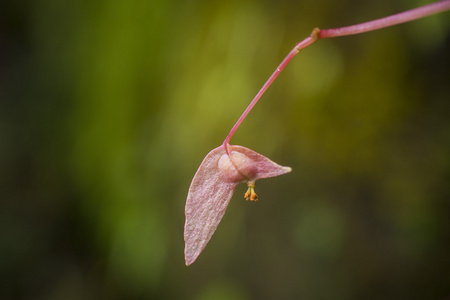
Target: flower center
228, 169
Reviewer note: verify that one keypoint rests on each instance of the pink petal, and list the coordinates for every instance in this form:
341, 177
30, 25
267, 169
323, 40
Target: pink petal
257, 166
207, 200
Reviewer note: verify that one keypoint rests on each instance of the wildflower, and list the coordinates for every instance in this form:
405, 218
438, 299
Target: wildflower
213, 186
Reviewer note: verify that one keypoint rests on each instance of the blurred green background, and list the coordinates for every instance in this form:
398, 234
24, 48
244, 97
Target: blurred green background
107, 108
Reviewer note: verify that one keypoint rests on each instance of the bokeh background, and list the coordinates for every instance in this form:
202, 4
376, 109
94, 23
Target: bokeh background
108, 107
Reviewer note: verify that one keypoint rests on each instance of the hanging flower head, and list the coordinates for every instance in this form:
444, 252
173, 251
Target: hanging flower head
213, 186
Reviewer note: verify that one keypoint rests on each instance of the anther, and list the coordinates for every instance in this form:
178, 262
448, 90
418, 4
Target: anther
250, 194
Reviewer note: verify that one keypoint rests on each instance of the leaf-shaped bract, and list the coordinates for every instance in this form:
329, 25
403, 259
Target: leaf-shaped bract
206, 204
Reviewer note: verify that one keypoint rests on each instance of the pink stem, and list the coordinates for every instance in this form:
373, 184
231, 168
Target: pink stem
403, 17
399, 18
308, 41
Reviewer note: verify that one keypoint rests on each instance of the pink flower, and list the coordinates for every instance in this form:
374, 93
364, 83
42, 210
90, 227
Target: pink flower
213, 186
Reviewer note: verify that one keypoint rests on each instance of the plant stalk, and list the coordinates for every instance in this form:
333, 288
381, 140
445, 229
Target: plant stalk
317, 34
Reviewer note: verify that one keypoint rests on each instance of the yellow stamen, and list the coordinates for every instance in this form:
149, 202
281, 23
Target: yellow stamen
250, 194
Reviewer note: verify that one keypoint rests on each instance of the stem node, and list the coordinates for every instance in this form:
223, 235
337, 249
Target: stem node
315, 34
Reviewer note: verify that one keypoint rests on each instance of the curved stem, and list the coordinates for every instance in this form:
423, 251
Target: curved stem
306, 42
399, 18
